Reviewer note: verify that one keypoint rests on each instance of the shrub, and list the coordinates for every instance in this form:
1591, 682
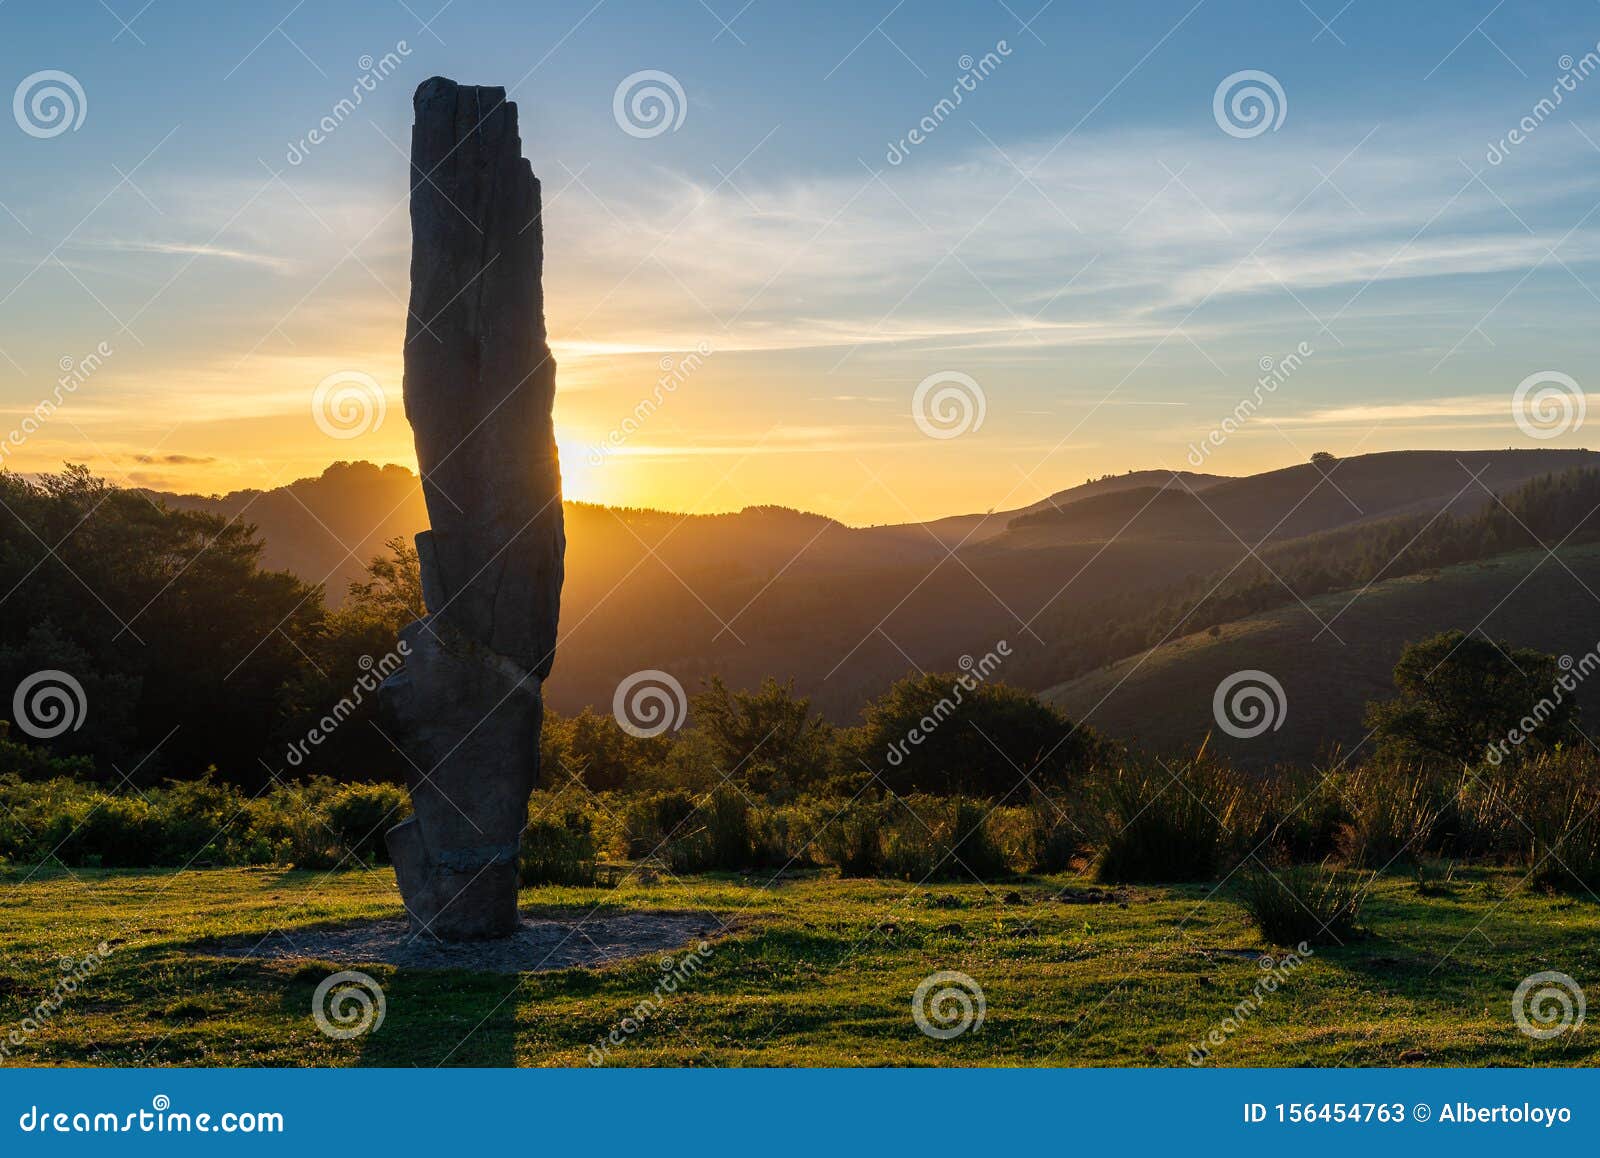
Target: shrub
717, 835
594, 749
650, 821
1056, 838
105, 830
767, 739
1561, 805
728, 830
33, 763
558, 850
360, 814
854, 841
1310, 903
934, 839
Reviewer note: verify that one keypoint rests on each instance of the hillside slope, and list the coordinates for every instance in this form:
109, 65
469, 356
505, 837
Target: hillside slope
844, 611
970, 530
1163, 699
1294, 501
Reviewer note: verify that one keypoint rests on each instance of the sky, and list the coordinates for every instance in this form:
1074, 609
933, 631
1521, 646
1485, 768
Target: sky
807, 274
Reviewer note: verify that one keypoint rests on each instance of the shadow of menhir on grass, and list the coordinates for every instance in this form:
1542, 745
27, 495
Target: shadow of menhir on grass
546, 940
446, 1018
386, 997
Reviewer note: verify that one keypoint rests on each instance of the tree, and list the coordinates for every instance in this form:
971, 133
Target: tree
392, 591
1323, 458
594, 749
766, 739
949, 732
1461, 697
354, 650
192, 644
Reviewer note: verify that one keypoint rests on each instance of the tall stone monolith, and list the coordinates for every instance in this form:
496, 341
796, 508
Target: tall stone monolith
479, 385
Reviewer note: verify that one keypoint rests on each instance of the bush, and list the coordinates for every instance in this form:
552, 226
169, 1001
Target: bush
1057, 840
1156, 825
1299, 816
766, 739
650, 821
854, 841
594, 750
558, 850
717, 835
196, 823
728, 830
935, 839
32, 763
360, 815
1309, 903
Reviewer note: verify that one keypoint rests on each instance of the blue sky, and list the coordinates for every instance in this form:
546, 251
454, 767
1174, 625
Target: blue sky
1080, 240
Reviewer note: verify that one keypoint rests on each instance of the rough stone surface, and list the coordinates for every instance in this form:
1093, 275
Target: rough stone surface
479, 386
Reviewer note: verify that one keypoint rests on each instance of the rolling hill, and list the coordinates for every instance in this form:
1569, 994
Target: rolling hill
1295, 501
1163, 699
844, 610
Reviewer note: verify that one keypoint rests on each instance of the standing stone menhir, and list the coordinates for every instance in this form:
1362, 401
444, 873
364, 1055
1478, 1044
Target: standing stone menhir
479, 386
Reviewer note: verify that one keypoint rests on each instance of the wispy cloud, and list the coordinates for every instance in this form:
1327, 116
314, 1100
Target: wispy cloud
192, 249
1110, 242
173, 460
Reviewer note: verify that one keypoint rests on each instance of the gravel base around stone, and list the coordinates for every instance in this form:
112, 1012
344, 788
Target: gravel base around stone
541, 944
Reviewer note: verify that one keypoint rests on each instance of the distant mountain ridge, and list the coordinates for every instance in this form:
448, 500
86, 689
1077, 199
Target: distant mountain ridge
846, 610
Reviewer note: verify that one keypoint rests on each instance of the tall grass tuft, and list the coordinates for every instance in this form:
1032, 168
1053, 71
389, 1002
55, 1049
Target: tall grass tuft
1166, 825
1310, 903
1394, 812
933, 838
853, 840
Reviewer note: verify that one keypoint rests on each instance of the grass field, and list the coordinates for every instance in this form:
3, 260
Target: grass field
812, 971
